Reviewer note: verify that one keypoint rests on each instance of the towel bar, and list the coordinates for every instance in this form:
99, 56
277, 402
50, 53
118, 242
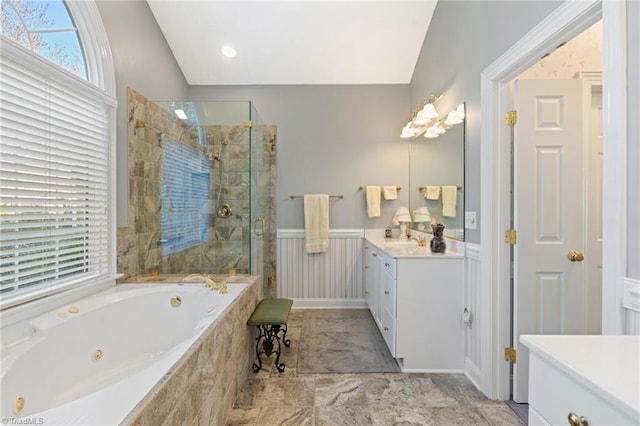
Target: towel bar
361, 188
422, 188
330, 196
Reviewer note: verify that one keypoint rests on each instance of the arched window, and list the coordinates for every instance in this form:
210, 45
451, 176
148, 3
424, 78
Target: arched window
46, 28
56, 151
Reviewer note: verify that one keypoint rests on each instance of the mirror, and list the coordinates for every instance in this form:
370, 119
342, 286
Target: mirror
438, 162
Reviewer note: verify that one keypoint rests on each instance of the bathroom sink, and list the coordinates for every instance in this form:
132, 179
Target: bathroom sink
400, 243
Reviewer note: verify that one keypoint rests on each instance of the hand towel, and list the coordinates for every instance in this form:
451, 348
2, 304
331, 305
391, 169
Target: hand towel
316, 222
432, 192
390, 192
449, 198
373, 201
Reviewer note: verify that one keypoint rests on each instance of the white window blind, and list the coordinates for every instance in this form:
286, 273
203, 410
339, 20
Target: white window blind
55, 179
184, 217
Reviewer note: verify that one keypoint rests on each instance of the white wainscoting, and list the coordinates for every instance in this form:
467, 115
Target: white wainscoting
472, 334
321, 280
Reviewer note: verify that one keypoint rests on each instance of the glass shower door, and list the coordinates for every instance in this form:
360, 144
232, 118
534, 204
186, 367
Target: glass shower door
260, 182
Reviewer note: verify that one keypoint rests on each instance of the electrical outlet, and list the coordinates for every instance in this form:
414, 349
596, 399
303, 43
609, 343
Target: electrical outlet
470, 220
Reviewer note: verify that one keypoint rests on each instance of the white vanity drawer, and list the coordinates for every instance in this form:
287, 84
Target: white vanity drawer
388, 330
389, 265
553, 394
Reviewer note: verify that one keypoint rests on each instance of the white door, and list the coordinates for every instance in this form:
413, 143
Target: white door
549, 295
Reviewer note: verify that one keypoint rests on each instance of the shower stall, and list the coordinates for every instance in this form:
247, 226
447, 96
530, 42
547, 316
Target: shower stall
202, 190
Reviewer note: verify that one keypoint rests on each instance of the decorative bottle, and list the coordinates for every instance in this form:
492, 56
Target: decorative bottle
438, 243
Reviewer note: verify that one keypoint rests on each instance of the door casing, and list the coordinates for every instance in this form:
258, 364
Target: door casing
571, 18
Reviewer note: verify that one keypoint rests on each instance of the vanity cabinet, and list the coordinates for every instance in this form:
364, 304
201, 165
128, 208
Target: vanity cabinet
370, 273
416, 300
380, 291
388, 302
588, 378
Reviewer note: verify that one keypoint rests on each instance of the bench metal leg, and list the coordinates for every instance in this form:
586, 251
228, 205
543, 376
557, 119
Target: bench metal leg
269, 333
287, 342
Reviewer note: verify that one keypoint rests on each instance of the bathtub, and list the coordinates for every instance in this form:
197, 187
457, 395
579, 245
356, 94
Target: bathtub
92, 361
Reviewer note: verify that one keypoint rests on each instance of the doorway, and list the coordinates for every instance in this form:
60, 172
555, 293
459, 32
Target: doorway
556, 197
569, 20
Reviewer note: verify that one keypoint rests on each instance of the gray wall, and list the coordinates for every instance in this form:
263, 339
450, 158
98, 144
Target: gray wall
463, 39
335, 138
144, 62
331, 139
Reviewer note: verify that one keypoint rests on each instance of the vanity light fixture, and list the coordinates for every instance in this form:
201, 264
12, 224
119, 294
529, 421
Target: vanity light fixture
421, 117
431, 133
455, 116
408, 132
426, 121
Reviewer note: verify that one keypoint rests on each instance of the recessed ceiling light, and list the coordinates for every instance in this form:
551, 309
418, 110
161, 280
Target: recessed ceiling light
229, 51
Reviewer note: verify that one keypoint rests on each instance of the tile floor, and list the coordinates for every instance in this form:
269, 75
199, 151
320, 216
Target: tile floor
272, 398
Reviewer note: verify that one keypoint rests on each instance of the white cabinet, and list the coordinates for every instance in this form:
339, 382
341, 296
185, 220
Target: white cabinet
416, 301
429, 334
388, 302
380, 291
370, 271
592, 377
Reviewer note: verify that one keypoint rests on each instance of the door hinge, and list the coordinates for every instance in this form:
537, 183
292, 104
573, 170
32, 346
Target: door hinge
511, 118
511, 237
510, 355
247, 123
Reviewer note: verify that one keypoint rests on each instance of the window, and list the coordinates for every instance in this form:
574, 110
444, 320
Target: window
185, 195
56, 186
46, 28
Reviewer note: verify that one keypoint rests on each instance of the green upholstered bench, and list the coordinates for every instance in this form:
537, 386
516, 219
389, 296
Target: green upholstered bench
270, 316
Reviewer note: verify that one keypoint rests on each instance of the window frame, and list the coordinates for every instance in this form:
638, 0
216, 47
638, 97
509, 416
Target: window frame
101, 83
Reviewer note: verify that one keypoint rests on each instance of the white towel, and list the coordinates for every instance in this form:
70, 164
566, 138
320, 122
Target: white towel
449, 198
390, 192
432, 192
373, 201
316, 222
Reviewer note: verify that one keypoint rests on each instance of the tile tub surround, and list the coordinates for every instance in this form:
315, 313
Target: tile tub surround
138, 249
291, 398
202, 386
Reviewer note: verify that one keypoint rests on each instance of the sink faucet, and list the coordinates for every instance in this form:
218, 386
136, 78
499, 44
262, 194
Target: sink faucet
422, 242
220, 286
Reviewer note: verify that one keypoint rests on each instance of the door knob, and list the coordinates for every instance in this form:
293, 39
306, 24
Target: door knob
575, 256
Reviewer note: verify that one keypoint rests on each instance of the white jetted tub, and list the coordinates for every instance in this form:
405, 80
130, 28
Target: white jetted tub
92, 361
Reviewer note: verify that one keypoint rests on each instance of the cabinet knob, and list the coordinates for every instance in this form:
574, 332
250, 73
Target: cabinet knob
366, 292
575, 420
386, 264
375, 254
386, 292
386, 329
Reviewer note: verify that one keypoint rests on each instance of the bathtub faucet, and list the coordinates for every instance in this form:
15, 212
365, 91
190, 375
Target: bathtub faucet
219, 285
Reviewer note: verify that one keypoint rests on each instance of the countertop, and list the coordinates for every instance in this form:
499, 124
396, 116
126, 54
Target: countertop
414, 252
608, 364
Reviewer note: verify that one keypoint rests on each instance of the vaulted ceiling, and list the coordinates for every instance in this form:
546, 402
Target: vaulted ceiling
295, 42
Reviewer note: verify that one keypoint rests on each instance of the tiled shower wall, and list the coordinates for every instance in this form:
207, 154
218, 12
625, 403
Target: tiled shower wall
228, 246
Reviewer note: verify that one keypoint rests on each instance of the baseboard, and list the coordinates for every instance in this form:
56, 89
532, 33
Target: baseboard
431, 370
329, 303
472, 372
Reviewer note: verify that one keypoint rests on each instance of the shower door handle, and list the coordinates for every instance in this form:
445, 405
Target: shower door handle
255, 226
